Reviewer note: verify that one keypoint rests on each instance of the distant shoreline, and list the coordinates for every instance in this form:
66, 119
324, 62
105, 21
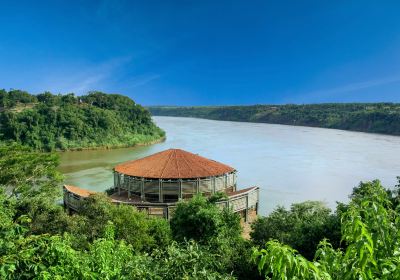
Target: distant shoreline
378, 118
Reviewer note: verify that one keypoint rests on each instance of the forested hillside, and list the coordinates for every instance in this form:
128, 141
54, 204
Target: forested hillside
61, 122
365, 117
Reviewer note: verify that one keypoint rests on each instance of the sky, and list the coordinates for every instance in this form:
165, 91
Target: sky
204, 52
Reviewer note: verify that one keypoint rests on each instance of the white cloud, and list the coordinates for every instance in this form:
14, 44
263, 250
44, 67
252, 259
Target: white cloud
88, 78
356, 86
339, 93
142, 80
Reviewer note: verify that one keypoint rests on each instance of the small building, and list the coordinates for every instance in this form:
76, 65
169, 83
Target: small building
156, 183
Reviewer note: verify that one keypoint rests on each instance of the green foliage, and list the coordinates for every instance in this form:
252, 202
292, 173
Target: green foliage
367, 117
371, 230
62, 122
27, 256
38, 240
202, 221
135, 228
25, 173
13, 98
31, 182
218, 196
217, 231
52, 257
278, 261
189, 261
302, 227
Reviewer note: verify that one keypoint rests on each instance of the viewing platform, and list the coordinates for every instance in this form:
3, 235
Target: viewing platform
155, 184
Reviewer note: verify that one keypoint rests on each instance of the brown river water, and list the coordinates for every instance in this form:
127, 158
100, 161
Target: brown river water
288, 163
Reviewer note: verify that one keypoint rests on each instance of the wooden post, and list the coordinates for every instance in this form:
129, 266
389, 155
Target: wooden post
115, 179
160, 194
119, 184
225, 181
198, 185
213, 184
234, 181
258, 197
142, 196
129, 186
180, 189
246, 218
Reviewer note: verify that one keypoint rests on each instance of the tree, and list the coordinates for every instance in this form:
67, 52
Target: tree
202, 221
189, 260
371, 230
26, 173
31, 181
143, 233
217, 231
302, 227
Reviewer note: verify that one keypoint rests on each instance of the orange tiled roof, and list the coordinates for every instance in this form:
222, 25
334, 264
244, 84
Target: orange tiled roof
78, 191
173, 164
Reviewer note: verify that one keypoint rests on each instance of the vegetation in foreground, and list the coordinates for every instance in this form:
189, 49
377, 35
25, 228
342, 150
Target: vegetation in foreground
63, 122
38, 240
366, 117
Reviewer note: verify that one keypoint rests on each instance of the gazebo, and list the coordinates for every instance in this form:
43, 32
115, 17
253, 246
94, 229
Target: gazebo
157, 182
172, 175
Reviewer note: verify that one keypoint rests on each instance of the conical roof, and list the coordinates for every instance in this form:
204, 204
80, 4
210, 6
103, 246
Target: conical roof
173, 164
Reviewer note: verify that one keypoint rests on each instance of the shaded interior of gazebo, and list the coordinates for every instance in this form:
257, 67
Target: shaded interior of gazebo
171, 190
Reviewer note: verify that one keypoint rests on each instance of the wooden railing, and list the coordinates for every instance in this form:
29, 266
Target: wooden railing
241, 201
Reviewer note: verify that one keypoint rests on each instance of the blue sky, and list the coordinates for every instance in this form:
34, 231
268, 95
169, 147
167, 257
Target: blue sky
204, 52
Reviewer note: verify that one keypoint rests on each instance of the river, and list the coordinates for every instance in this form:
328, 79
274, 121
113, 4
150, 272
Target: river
288, 163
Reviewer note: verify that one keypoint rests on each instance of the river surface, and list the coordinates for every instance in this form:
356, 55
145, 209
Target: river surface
288, 163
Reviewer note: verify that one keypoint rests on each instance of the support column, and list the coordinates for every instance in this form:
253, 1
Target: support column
234, 181
160, 193
198, 186
258, 197
180, 189
119, 184
225, 181
246, 218
129, 186
142, 196
115, 179
213, 184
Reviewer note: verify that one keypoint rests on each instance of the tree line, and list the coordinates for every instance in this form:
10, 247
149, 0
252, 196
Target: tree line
39, 240
62, 122
365, 117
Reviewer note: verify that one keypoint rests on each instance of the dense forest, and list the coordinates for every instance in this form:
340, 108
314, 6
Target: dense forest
62, 122
39, 240
366, 117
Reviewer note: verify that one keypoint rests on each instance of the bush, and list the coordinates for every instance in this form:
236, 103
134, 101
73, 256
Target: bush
202, 221
302, 227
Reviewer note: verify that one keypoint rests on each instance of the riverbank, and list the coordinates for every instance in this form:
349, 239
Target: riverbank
382, 118
112, 147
